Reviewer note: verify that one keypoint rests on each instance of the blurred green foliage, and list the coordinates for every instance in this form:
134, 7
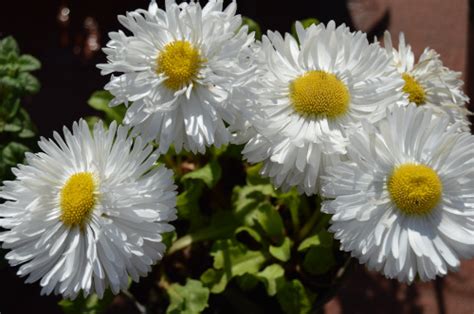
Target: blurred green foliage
17, 132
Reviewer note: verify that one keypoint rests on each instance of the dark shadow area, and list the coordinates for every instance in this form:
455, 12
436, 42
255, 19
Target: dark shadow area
365, 292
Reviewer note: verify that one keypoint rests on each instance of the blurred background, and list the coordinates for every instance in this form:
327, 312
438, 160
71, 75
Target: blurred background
67, 37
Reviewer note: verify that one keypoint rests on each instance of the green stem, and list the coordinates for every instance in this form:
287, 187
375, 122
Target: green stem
308, 226
295, 218
203, 235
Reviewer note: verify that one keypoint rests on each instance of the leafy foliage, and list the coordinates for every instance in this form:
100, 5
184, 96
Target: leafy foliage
89, 305
100, 101
188, 299
17, 132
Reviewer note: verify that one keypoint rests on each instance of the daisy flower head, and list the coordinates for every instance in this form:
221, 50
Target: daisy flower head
180, 67
88, 211
428, 83
403, 203
315, 91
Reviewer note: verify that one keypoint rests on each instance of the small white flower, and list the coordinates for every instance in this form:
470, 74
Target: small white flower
87, 212
428, 83
404, 203
180, 67
314, 94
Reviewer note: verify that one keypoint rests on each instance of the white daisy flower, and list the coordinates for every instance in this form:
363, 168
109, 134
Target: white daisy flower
314, 94
428, 83
180, 67
87, 212
404, 203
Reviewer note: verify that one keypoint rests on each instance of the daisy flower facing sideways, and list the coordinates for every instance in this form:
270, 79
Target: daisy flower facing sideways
87, 212
404, 203
314, 94
180, 67
428, 83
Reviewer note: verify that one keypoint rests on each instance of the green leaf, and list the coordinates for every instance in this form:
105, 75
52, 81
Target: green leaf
188, 299
100, 101
250, 232
90, 305
187, 202
209, 174
293, 298
323, 238
214, 280
282, 252
306, 23
245, 199
253, 27
91, 121
9, 45
168, 238
319, 260
14, 153
247, 281
28, 82
231, 259
28, 128
270, 220
254, 177
273, 277
28, 63
14, 126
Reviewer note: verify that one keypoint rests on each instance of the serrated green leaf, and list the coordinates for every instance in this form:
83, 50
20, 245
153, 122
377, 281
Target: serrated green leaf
90, 305
323, 238
209, 174
318, 260
28, 63
100, 101
188, 299
293, 298
253, 27
273, 277
283, 251
14, 153
231, 259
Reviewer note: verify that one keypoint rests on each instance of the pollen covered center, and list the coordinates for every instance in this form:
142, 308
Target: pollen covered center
415, 91
415, 189
77, 199
180, 62
318, 93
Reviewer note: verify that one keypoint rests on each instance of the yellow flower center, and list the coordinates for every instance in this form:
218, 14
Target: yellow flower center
318, 93
77, 199
415, 189
415, 91
180, 63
